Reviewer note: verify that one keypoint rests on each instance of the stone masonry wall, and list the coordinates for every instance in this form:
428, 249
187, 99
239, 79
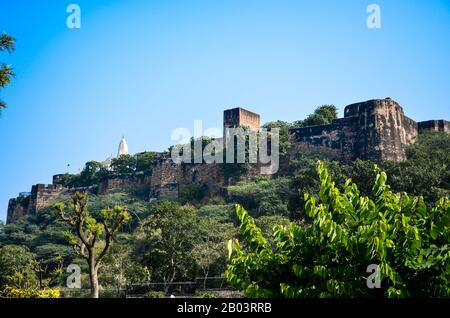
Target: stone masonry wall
373, 130
40, 197
165, 179
112, 182
434, 126
337, 139
210, 176
16, 209
393, 132
240, 117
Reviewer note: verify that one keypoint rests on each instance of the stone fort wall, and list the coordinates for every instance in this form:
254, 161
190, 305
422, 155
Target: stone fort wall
40, 197
375, 130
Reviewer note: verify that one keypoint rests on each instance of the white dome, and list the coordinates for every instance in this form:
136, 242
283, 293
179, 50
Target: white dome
123, 148
107, 163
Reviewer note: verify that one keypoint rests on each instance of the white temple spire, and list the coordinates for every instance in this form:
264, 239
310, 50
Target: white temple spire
123, 147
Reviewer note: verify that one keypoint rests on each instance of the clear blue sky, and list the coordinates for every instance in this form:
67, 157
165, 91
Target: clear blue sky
143, 68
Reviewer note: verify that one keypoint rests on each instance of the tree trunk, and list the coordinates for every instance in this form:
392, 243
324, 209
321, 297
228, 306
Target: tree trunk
93, 277
206, 273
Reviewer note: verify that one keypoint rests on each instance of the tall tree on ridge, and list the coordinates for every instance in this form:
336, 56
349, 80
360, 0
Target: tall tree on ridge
6, 70
87, 233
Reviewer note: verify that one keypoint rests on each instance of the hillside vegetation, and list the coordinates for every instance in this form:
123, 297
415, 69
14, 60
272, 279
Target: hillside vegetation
179, 241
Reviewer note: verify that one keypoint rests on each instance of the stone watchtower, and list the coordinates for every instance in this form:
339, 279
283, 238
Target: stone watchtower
239, 117
236, 117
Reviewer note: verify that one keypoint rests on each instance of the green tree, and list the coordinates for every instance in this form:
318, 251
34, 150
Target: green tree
123, 164
305, 180
209, 251
6, 70
119, 266
407, 242
221, 213
267, 224
171, 233
136, 207
426, 172
322, 115
87, 233
17, 267
89, 175
145, 161
285, 141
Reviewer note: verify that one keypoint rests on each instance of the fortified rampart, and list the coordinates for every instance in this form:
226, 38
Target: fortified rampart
41, 195
375, 130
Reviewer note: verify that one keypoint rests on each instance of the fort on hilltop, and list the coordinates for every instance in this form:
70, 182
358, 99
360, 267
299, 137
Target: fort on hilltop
376, 130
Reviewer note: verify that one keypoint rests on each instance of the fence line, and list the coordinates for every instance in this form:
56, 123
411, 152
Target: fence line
213, 284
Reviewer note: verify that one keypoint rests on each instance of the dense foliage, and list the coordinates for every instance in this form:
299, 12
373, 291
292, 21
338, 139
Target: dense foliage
329, 258
17, 266
322, 115
94, 171
263, 196
427, 170
178, 244
185, 239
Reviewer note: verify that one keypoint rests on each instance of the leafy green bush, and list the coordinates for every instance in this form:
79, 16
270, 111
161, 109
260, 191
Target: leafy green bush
426, 172
207, 295
220, 213
145, 161
267, 224
170, 234
17, 265
139, 209
407, 242
322, 115
192, 193
154, 294
263, 196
